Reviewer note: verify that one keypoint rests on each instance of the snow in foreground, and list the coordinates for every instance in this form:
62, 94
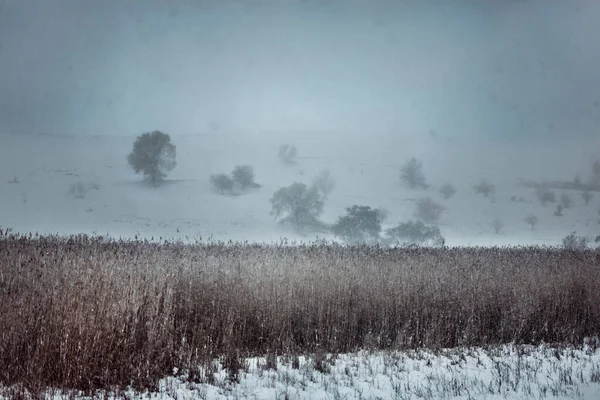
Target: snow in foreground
513, 372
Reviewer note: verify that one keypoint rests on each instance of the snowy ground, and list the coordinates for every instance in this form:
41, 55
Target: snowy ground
365, 168
507, 372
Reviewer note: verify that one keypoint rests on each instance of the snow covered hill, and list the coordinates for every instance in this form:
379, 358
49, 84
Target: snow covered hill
366, 167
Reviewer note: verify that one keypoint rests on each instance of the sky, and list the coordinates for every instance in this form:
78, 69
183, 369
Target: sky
495, 68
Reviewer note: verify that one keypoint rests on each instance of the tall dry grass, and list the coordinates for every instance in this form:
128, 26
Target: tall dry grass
90, 312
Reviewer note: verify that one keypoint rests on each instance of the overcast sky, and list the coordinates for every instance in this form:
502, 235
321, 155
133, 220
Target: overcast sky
503, 68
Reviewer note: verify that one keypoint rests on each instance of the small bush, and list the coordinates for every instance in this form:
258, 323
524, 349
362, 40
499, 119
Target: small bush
222, 182
288, 153
243, 175
412, 175
587, 196
531, 220
324, 182
545, 196
415, 233
484, 188
574, 242
78, 190
447, 191
559, 210
362, 224
428, 210
14, 179
565, 200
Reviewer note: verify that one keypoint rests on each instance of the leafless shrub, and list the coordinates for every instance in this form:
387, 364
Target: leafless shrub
14, 180
78, 190
574, 242
545, 196
412, 175
428, 210
559, 210
497, 224
447, 191
288, 153
414, 233
531, 220
90, 312
565, 200
484, 188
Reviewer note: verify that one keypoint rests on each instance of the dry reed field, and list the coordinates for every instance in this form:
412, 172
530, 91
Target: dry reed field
93, 313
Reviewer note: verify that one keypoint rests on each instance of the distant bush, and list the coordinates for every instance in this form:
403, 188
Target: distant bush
78, 190
565, 200
243, 175
428, 210
415, 233
447, 191
574, 242
545, 196
14, 179
324, 182
298, 205
559, 210
288, 153
531, 220
484, 188
587, 196
222, 182
361, 224
412, 175
153, 155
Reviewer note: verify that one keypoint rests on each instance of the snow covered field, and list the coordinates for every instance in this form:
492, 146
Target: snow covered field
504, 372
366, 169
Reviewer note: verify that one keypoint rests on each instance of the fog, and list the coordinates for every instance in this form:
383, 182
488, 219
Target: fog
474, 68
503, 90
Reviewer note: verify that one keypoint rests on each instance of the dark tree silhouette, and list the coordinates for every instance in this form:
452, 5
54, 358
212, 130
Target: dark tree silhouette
362, 224
299, 205
153, 155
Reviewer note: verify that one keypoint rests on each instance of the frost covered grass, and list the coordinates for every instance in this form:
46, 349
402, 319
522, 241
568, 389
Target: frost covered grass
499, 372
92, 313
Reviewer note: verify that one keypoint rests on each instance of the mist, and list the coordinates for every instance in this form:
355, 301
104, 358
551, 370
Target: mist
499, 69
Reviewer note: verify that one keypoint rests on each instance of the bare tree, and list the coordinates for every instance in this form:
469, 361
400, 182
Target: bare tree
244, 176
299, 205
484, 188
447, 191
361, 224
288, 153
531, 220
412, 175
545, 196
222, 182
153, 155
324, 182
574, 242
565, 200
